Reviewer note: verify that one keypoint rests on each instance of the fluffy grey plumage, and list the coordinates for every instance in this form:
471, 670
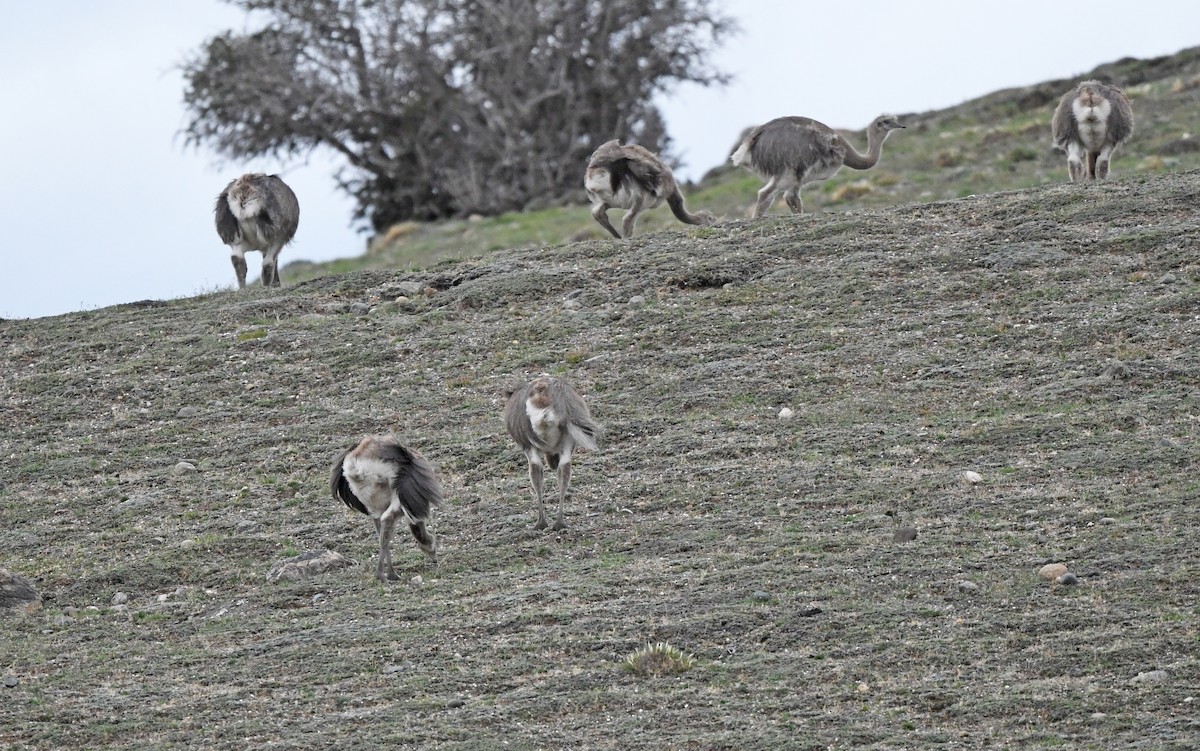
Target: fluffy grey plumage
257, 212
550, 421
789, 152
633, 178
1090, 122
382, 478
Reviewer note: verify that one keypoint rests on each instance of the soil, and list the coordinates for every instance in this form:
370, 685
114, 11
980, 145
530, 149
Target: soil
1045, 340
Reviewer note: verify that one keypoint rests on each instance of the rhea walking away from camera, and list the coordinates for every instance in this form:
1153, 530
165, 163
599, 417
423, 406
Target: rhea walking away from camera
790, 152
257, 212
382, 478
1090, 122
550, 421
635, 179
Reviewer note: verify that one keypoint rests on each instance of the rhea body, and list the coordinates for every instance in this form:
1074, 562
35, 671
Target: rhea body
389, 482
549, 421
790, 152
633, 178
1090, 122
257, 212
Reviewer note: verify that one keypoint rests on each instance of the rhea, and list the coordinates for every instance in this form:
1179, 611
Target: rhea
384, 479
633, 178
257, 212
790, 152
1090, 122
550, 421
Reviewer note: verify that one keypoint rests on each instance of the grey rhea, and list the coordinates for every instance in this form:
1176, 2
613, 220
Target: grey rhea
790, 152
384, 479
635, 179
550, 421
257, 212
1090, 122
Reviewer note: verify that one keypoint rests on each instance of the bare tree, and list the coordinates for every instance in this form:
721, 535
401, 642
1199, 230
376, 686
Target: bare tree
444, 107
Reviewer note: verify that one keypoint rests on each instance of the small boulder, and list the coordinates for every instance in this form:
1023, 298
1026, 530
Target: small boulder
17, 595
905, 534
1052, 571
308, 564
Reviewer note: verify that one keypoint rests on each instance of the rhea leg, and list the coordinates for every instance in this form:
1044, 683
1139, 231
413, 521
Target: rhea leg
564, 483
600, 214
766, 197
386, 525
792, 197
1102, 159
238, 256
536, 477
1075, 166
631, 216
425, 539
270, 267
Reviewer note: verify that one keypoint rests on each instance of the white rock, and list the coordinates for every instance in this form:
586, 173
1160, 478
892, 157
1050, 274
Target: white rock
968, 586
786, 414
182, 468
972, 477
1052, 571
120, 598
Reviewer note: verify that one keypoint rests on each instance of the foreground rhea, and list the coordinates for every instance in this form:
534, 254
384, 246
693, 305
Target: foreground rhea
790, 152
1090, 122
550, 421
633, 178
382, 478
257, 212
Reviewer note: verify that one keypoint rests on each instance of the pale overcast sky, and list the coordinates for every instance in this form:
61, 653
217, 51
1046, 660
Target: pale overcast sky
102, 204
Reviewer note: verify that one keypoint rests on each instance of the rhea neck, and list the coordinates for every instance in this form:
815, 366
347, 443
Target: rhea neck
875, 138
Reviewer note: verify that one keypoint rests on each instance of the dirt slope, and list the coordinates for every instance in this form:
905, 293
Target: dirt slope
1046, 340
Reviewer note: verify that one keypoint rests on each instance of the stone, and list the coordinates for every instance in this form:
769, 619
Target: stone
969, 587
973, 478
1107, 520
905, 534
808, 611
1151, 676
1052, 571
308, 564
188, 412
1115, 370
333, 308
786, 413
637, 301
11, 681
360, 308
761, 596
17, 594
120, 598
411, 288
183, 468
571, 304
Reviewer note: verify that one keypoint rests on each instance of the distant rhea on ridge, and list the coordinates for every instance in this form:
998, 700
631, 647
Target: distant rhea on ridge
382, 478
1090, 122
633, 178
549, 421
790, 152
257, 212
